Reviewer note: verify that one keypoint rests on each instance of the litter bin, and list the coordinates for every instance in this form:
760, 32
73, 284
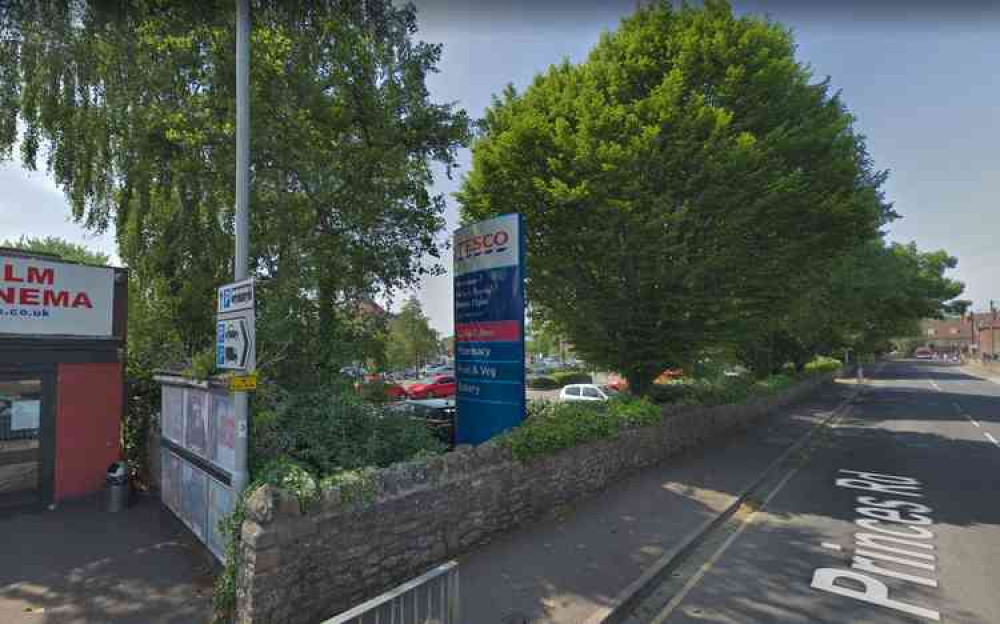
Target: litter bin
117, 486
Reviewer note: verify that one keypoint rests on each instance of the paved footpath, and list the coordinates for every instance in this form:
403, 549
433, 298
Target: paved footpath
892, 517
572, 566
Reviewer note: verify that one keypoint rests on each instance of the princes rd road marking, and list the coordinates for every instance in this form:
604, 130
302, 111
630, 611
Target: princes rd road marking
896, 544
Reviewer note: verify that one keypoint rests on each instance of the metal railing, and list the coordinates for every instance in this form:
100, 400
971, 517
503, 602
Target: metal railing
431, 598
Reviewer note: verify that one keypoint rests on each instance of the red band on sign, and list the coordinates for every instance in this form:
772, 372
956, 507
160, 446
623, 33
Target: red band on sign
491, 331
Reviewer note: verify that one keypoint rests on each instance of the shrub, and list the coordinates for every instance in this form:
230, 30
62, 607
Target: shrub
823, 364
543, 383
331, 430
571, 377
554, 426
675, 392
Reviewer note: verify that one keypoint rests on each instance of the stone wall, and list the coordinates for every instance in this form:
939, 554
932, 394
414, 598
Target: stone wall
302, 567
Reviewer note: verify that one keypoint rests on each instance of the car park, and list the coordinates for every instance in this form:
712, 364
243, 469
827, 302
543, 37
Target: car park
586, 392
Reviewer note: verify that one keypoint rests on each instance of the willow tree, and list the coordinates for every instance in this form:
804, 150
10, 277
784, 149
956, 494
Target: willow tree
679, 186
131, 106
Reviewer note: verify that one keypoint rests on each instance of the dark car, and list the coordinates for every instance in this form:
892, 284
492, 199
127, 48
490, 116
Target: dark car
438, 414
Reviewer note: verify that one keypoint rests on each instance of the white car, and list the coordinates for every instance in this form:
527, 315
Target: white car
585, 392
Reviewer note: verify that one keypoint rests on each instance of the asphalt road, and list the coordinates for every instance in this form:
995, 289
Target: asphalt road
924, 444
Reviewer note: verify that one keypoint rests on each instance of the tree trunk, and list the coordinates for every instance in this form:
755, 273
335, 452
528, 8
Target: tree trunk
638, 382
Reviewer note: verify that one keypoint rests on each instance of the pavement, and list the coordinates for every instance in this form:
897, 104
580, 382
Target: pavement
82, 565
577, 562
914, 464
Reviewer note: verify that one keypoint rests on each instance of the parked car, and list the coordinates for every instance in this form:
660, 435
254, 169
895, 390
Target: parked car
439, 386
586, 392
923, 353
439, 414
669, 375
617, 382
393, 391
442, 369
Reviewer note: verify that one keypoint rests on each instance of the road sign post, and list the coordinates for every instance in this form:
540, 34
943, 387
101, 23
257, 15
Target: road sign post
235, 341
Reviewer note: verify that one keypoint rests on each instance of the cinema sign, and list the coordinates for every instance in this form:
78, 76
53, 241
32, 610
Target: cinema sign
41, 297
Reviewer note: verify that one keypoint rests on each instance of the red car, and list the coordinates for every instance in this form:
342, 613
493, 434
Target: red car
439, 386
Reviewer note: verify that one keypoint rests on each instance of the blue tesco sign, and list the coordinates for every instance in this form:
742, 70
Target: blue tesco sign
489, 328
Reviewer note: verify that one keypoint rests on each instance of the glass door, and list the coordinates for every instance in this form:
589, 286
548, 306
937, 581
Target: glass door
22, 467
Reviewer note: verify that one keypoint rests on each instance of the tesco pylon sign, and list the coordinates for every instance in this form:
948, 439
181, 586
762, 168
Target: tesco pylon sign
42, 297
489, 327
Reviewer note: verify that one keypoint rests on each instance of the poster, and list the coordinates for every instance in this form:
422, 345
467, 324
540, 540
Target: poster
172, 414
220, 503
196, 422
170, 481
25, 414
194, 499
224, 431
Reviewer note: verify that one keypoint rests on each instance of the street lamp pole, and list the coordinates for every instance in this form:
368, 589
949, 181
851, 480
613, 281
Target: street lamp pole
241, 223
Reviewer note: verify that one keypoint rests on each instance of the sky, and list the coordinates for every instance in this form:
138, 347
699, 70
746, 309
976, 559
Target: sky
920, 78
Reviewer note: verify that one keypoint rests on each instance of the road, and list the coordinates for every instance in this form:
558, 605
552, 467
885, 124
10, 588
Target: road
891, 515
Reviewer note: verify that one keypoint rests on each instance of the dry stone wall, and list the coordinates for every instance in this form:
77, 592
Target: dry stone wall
304, 566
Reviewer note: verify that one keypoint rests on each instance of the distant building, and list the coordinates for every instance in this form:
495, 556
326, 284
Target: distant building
949, 335
986, 330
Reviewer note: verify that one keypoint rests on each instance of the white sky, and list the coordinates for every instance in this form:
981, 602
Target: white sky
921, 82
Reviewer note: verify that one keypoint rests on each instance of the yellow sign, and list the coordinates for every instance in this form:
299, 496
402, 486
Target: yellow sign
242, 383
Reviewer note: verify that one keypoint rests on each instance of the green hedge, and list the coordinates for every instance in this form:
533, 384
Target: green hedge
554, 426
823, 364
571, 377
543, 383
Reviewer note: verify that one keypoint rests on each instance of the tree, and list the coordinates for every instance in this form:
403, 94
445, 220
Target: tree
411, 339
133, 106
680, 187
66, 250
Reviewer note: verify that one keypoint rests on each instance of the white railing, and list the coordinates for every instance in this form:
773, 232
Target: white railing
431, 598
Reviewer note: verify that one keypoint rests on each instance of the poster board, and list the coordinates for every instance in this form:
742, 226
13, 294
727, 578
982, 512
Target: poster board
198, 433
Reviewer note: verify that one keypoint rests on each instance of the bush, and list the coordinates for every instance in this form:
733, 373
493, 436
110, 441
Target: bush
554, 426
823, 364
332, 430
571, 377
543, 383
676, 392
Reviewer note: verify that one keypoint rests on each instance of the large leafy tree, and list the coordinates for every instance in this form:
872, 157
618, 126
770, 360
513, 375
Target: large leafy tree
74, 252
679, 187
131, 105
875, 294
411, 340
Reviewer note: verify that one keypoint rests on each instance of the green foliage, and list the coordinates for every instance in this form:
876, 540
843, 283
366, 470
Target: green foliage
133, 110
202, 364
331, 430
543, 382
563, 378
823, 364
411, 340
695, 172
554, 426
66, 250
231, 526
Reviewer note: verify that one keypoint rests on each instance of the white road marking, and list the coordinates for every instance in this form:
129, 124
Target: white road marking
662, 616
830, 546
991, 439
934, 383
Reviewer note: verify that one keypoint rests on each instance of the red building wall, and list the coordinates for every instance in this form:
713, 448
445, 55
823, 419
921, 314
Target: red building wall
88, 426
